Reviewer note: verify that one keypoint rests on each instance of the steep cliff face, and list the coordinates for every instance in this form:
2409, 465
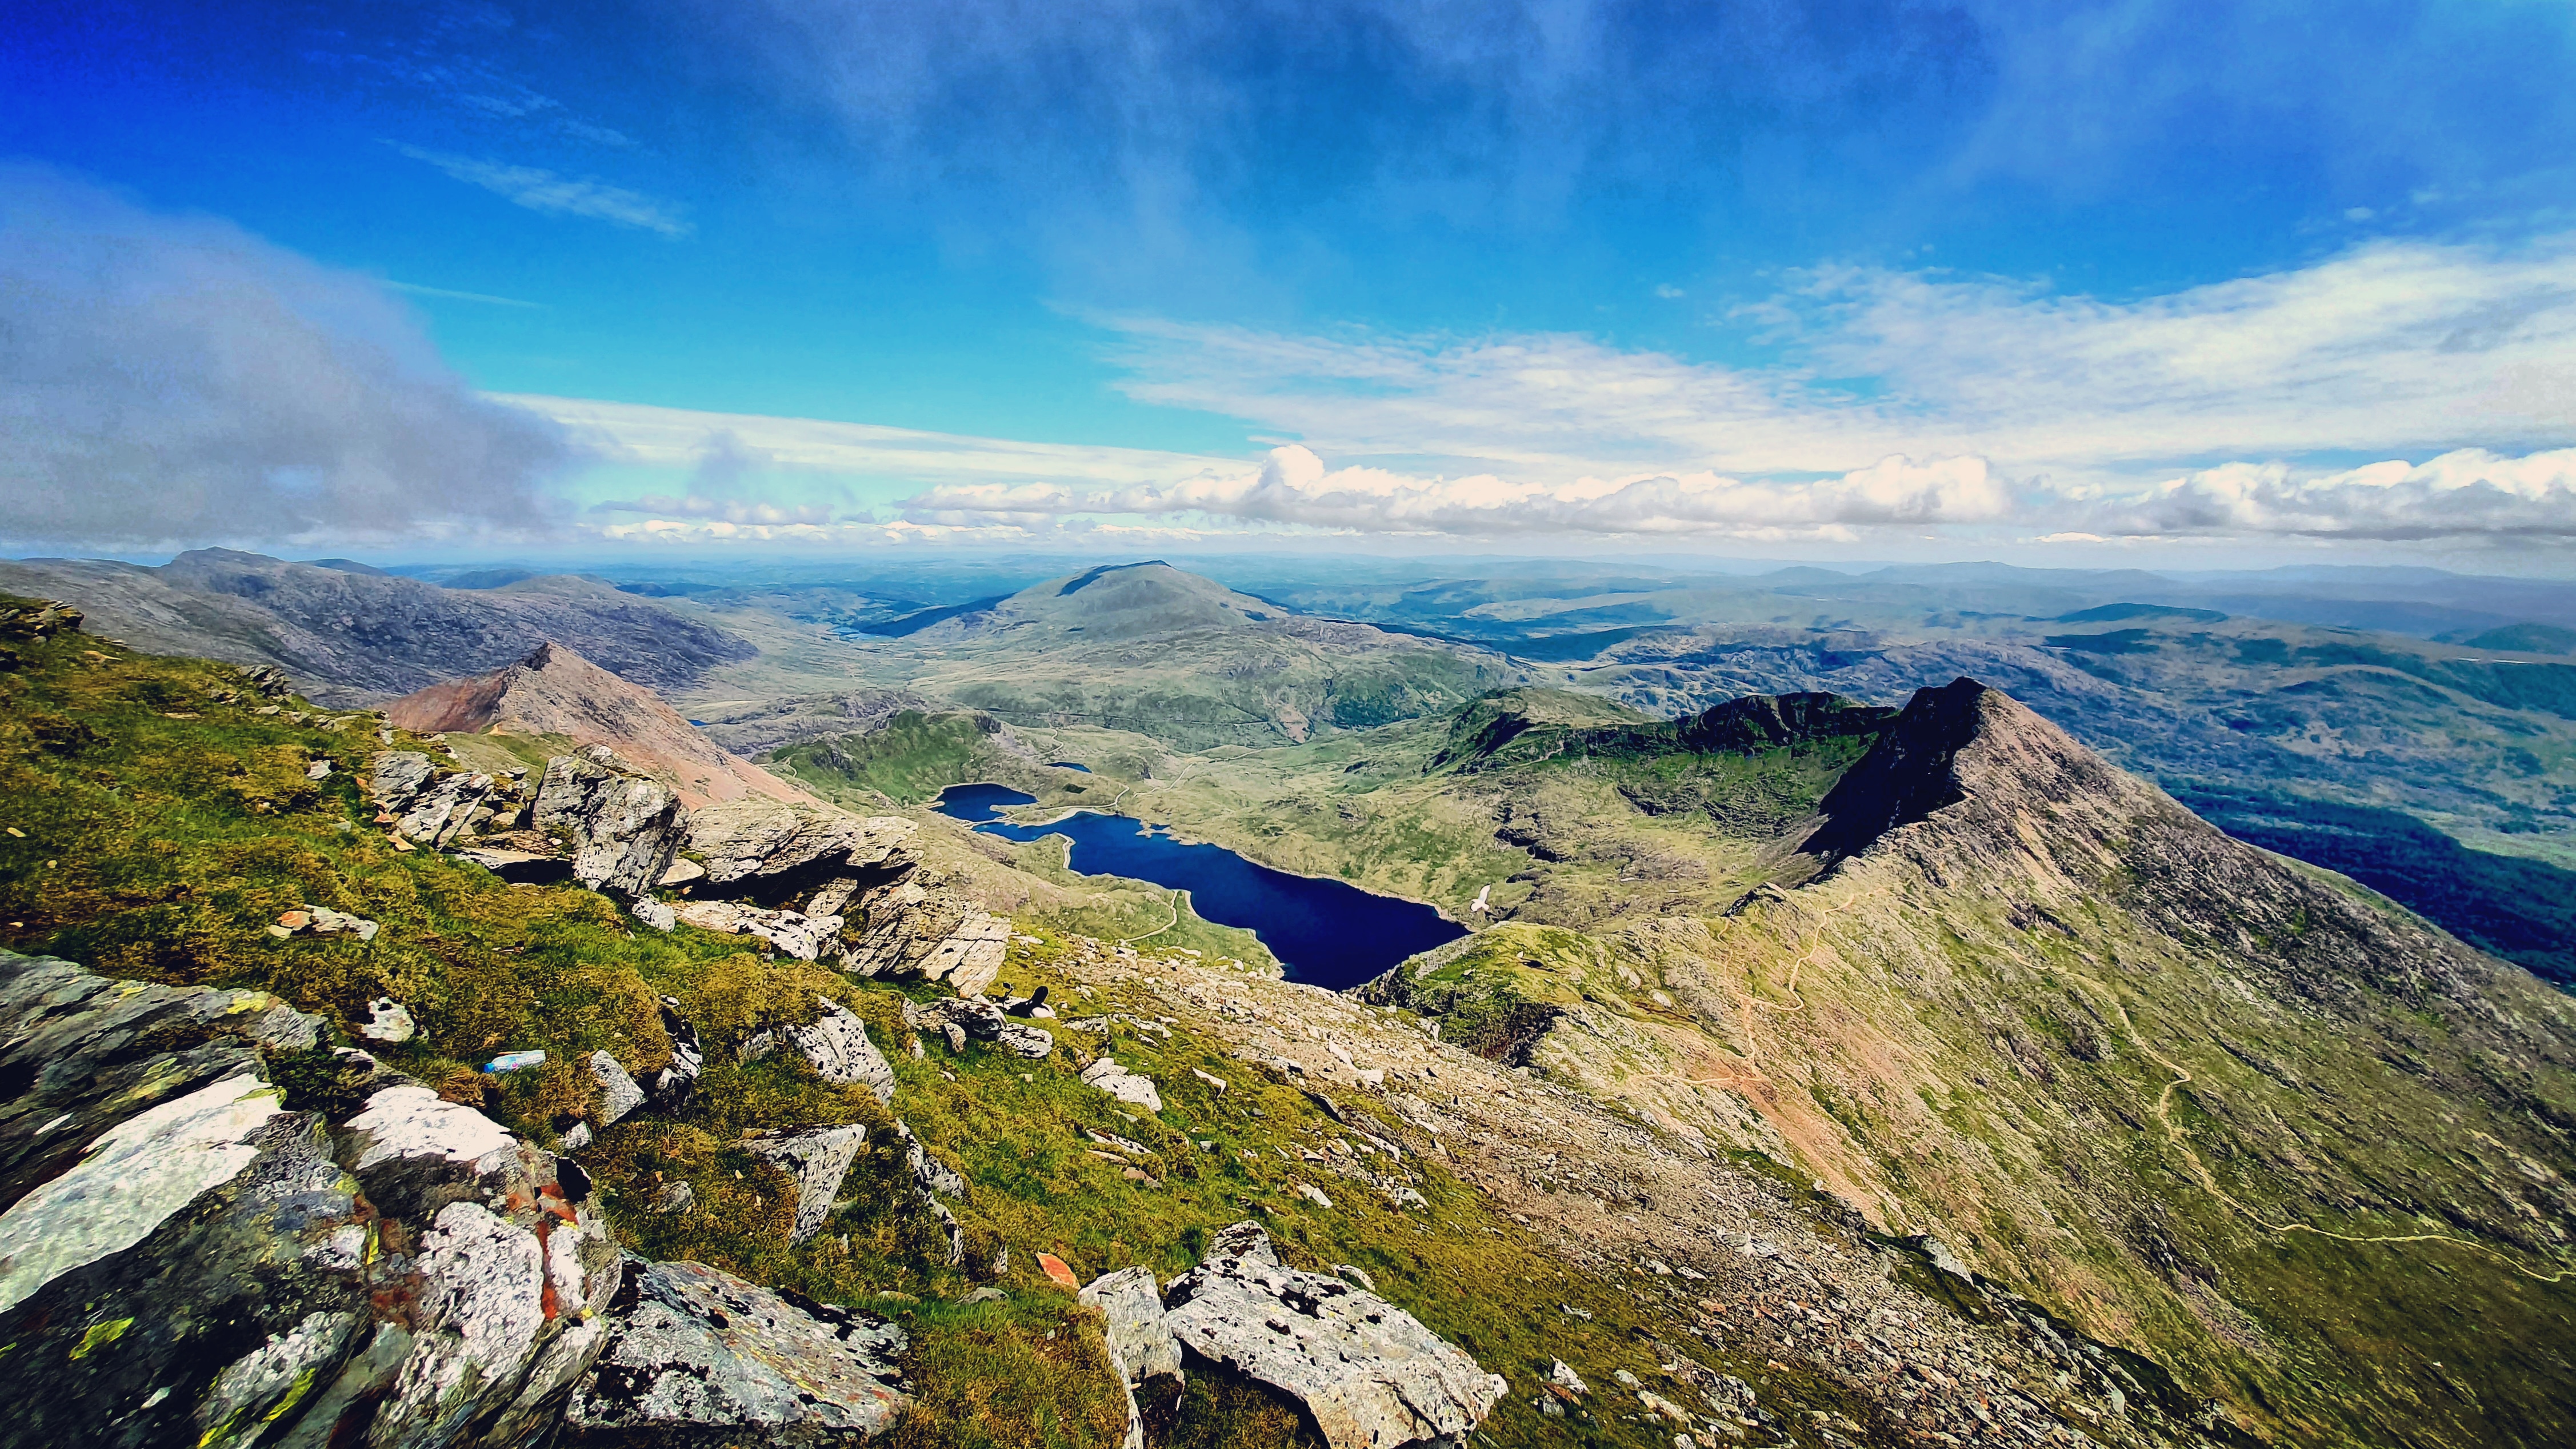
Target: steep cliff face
555, 692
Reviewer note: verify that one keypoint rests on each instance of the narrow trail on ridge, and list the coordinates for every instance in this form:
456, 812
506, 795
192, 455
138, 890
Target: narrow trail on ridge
2180, 1138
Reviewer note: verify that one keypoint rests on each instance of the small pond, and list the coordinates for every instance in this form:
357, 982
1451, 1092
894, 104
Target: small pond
1326, 932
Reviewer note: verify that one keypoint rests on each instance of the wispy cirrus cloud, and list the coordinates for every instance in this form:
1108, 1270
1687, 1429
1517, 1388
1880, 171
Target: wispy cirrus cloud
2391, 345
1900, 403
538, 189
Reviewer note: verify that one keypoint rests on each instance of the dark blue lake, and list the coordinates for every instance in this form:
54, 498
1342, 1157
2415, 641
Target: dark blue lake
1326, 932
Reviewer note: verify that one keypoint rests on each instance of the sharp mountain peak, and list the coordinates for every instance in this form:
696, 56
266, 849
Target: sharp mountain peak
553, 690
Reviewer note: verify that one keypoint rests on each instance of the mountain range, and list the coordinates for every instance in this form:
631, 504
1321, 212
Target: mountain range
347, 632
1832, 1069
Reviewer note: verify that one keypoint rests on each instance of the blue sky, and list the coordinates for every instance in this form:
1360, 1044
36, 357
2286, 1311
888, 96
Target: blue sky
2063, 280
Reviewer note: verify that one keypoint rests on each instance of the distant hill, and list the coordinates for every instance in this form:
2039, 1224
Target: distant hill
2113, 613
2527, 639
350, 634
1162, 652
554, 692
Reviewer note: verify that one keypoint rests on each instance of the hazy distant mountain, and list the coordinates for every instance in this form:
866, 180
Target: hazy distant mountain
360, 635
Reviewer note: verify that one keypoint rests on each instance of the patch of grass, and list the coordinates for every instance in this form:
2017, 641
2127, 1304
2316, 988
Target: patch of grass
909, 759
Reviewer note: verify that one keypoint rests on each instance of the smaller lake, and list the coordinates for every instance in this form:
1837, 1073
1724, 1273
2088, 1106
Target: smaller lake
1326, 932
1070, 765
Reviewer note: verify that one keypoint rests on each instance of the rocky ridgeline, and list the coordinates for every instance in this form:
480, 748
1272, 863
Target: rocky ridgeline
810, 881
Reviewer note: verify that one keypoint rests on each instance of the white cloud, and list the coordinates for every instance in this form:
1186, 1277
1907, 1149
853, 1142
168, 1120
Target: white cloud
2389, 346
667, 437
538, 189
2466, 493
174, 379
1294, 487
1904, 402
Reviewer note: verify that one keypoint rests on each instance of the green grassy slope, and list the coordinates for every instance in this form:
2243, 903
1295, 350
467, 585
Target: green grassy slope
157, 820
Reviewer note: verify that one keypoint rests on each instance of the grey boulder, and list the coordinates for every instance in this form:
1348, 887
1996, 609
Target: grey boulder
1369, 1373
837, 1044
624, 826
698, 1356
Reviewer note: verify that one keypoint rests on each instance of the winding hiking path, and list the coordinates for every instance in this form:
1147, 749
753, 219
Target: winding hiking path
2180, 1138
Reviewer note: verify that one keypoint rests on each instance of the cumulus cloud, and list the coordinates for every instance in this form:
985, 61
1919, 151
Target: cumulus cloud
2470, 492
169, 379
538, 189
1294, 487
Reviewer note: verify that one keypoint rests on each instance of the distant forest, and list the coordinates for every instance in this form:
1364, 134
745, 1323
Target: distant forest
2522, 910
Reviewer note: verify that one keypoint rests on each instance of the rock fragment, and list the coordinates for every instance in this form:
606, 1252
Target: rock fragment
671, 1088
818, 1159
618, 1093
1105, 1075
697, 1355
1370, 1375
388, 1021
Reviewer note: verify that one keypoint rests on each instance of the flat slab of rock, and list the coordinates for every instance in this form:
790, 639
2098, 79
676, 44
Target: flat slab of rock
696, 1355
792, 932
755, 842
1367, 1371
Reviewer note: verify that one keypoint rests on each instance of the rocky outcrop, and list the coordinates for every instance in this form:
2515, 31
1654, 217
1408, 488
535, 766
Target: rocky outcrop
182, 1244
623, 828
1131, 1307
1140, 1344
699, 1356
837, 1044
913, 928
769, 850
591, 817
1369, 1373
793, 933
